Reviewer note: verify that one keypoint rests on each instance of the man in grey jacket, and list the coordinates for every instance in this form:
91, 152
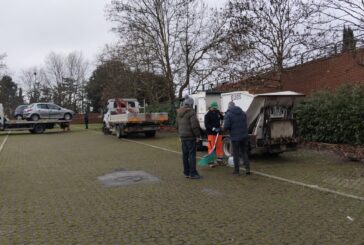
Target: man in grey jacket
235, 121
189, 132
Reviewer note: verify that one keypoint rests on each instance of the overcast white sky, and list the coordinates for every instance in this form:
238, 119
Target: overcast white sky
31, 29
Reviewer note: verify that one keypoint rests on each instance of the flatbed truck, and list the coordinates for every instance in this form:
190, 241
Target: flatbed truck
35, 127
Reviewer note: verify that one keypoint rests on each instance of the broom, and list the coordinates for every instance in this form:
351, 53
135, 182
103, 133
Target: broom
210, 157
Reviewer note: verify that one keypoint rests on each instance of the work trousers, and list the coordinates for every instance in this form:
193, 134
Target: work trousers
189, 157
240, 150
210, 146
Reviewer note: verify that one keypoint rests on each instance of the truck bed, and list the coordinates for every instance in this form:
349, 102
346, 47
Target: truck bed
19, 122
139, 117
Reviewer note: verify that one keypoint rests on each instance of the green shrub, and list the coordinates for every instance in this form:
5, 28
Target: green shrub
164, 107
333, 117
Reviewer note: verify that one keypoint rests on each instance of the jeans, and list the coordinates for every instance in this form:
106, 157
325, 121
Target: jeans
240, 149
189, 157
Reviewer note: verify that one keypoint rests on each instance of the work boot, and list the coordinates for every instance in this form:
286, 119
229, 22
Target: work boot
196, 176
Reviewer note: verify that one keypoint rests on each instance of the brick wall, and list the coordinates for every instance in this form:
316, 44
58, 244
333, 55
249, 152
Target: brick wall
321, 74
326, 73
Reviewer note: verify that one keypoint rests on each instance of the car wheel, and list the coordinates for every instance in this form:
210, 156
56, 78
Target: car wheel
34, 117
67, 116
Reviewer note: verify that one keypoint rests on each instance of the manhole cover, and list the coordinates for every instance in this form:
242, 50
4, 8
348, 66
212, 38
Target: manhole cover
122, 178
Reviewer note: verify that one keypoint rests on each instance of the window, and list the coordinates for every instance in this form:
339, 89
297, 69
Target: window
53, 107
42, 106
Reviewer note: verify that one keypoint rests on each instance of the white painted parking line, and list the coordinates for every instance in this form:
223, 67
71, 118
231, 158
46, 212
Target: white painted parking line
314, 187
4, 141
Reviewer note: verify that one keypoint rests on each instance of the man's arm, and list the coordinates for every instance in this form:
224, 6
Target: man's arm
195, 126
227, 122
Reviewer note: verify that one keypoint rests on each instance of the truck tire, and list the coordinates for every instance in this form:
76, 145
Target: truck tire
119, 131
38, 129
227, 147
150, 134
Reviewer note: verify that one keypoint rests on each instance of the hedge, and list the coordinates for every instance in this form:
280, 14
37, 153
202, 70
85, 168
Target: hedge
164, 107
333, 117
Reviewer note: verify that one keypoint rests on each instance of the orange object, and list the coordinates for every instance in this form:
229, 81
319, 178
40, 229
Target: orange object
211, 140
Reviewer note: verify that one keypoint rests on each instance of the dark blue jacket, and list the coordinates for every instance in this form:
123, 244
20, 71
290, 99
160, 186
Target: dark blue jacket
235, 121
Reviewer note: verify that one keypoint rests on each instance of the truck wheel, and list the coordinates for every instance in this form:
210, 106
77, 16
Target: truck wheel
149, 134
119, 131
34, 117
227, 147
38, 129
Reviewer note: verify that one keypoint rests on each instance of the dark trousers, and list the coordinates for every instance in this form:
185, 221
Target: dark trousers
86, 124
240, 150
189, 157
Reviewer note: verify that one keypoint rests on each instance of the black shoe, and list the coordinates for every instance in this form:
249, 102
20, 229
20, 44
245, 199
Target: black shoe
187, 176
248, 173
235, 173
196, 176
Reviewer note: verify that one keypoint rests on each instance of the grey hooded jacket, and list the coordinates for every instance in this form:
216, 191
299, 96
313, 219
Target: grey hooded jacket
188, 126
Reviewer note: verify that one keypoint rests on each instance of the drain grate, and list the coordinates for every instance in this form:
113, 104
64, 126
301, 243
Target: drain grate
124, 178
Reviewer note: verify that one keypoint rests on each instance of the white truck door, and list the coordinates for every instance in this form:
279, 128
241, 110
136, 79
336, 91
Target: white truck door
1, 115
201, 111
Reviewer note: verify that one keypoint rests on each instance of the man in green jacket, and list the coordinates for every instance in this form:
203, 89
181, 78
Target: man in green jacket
189, 132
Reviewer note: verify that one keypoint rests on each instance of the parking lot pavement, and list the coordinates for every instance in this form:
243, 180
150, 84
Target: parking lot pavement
50, 192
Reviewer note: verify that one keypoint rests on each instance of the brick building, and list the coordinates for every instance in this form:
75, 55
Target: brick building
320, 74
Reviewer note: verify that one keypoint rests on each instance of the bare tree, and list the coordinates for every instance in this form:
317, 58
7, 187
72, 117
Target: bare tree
170, 37
37, 87
276, 31
153, 26
345, 12
67, 76
201, 31
2, 63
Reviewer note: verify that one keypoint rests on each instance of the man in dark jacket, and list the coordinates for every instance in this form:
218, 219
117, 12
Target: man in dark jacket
236, 122
85, 118
189, 132
213, 119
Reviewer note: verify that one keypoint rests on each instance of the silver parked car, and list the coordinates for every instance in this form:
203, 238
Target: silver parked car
37, 111
18, 113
